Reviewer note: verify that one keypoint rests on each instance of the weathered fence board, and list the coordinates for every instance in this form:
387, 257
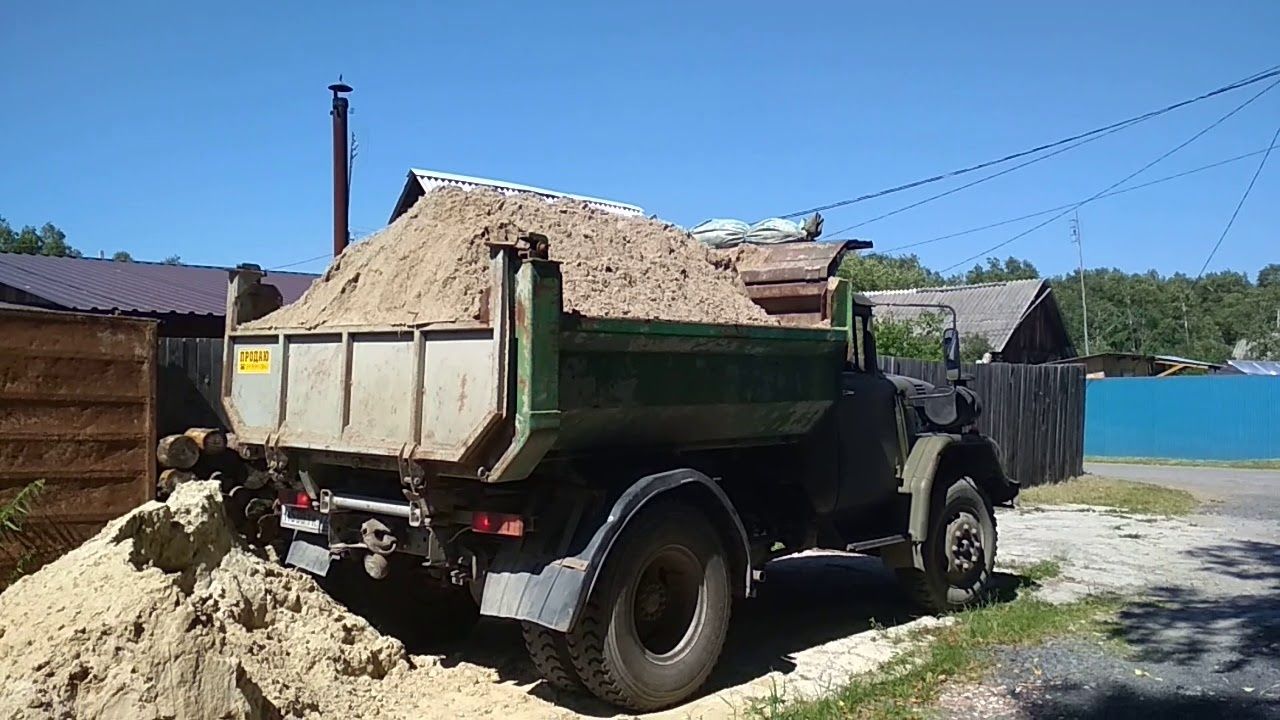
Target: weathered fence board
189, 381
1034, 412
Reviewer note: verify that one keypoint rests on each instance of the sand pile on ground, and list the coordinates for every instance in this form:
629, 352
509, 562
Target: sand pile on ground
431, 266
164, 614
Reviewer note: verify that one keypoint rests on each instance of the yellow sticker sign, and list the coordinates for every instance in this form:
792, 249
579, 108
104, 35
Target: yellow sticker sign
253, 362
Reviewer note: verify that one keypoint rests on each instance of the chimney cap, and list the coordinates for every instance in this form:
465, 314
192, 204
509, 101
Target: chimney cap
340, 87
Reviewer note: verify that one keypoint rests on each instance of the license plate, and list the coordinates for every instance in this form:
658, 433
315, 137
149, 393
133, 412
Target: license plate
306, 520
309, 555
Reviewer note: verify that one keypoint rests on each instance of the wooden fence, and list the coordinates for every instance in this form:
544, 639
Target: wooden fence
189, 383
1034, 412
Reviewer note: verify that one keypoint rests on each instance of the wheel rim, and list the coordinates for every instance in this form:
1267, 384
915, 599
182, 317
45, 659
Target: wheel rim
964, 548
666, 602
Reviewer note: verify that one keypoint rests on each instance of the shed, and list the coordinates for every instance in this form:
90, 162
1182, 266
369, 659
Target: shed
1020, 319
420, 182
187, 300
1122, 364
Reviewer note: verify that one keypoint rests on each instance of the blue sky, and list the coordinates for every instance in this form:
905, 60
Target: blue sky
202, 129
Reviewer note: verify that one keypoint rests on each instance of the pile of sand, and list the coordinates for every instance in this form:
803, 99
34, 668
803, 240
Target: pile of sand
431, 266
164, 614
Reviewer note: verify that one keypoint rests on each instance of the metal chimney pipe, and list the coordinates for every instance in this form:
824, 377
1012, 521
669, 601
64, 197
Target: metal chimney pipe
341, 186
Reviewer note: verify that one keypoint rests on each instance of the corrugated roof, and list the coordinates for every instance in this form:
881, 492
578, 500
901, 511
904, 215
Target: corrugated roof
138, 287
1256, 367
422, 181
991, 310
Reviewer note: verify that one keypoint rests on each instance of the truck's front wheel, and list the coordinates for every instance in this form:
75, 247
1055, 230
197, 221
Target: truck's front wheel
959, 553
655, 623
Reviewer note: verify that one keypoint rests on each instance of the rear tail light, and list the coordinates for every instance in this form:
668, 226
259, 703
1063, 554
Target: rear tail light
295, 498
493, 523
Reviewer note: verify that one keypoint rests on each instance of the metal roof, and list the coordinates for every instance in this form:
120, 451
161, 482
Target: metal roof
422, 181
991, 310
131, 287
1256, 367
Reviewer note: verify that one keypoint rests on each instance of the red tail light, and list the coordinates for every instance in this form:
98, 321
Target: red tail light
295, 498
493, 523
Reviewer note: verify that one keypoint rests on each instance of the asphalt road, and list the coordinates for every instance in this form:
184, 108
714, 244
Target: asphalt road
1232, 492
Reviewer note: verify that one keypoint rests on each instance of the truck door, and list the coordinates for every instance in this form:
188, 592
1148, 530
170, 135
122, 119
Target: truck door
870, 442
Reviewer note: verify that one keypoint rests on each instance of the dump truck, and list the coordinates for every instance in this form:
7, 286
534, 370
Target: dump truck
612, 484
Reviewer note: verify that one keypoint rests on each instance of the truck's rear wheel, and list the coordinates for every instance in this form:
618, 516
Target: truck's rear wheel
550, 655
959, 553
655, 623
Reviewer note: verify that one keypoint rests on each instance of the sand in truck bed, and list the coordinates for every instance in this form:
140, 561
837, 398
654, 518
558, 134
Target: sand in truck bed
431, 266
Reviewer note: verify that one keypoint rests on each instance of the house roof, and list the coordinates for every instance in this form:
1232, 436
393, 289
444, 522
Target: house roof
421, 182
990, 310
93, 284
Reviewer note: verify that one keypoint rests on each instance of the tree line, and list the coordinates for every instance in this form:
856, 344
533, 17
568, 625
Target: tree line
51, 241
1219, 316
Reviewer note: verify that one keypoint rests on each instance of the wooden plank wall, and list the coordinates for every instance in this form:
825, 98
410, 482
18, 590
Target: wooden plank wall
1034, 412
77, 410
190, 384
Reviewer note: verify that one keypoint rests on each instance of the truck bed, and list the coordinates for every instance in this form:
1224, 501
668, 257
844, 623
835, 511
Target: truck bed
491, 401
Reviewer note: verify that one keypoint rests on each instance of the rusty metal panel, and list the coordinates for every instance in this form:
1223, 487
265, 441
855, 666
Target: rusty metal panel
792, 262
77, 410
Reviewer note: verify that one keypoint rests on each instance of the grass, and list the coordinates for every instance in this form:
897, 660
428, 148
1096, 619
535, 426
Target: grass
1125, 495
908, 685
1245, 464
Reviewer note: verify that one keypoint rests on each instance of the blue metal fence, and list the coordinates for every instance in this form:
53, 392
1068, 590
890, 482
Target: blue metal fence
1212, 417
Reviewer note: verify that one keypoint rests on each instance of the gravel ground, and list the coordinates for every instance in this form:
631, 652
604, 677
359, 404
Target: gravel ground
1202, 637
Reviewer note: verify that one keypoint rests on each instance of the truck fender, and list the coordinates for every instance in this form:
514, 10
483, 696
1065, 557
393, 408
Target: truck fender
975, 456
533, 582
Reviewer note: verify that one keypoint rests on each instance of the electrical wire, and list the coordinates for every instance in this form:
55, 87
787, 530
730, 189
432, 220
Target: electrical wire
979, 181
302, 262
1120, 182
1046, 211
1239, 205
1255, 78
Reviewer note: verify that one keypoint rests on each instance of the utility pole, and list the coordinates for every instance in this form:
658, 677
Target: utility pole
1084, 304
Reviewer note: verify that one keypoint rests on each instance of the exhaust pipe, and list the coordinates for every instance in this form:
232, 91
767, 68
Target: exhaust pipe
341, 169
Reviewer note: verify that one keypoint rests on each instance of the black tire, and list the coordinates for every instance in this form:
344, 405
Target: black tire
549, 652
951, 579
670, 566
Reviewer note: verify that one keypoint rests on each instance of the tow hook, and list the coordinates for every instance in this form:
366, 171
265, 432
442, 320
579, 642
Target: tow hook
377, 537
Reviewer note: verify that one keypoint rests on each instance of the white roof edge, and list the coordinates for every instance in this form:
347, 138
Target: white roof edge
517, 187
941, 288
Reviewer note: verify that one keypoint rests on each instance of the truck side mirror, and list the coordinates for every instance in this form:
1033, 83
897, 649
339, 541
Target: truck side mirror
951, 353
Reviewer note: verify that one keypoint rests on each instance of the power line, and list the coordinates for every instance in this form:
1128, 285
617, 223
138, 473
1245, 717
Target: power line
1239, 205
1073, 204
302, 262
1122, 181
1256, 77
979, 181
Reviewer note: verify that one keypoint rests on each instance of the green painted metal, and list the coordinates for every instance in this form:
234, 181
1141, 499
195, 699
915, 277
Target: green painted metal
537, 329
592, 384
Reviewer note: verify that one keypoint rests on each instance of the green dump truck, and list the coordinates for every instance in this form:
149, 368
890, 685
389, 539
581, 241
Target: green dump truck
611, 484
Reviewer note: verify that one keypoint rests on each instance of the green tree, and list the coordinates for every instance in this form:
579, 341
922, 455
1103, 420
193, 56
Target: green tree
1269, 276
909, 337
47, 240
1011, 269
868, 273
173, 260
122, 256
